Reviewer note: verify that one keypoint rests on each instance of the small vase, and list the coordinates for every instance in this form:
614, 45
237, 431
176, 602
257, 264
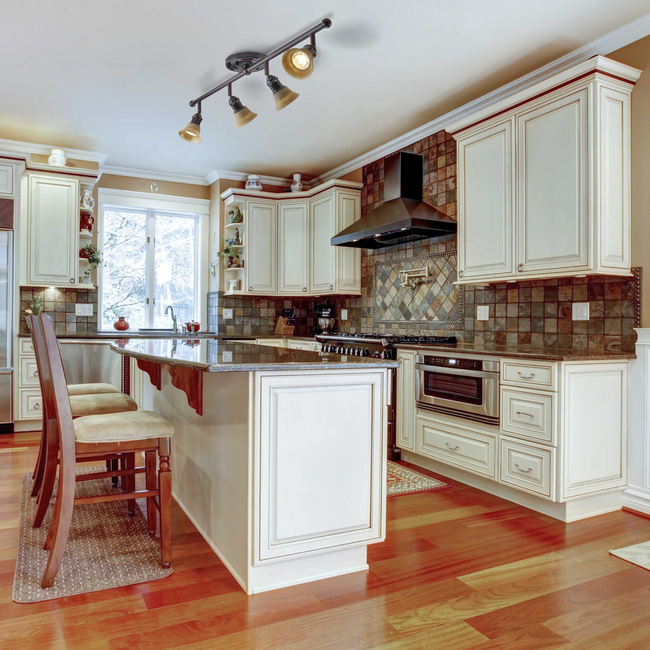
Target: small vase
254, 182
296, 186
57, 158
121, 324
87, 200
86, 222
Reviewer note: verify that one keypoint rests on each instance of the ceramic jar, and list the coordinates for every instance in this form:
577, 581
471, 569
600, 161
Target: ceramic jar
254, 182
121, 324
86, 221
57, 158
296, 186
87, 201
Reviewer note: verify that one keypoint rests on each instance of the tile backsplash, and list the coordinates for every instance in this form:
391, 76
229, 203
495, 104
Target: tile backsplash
60, 307
534, 313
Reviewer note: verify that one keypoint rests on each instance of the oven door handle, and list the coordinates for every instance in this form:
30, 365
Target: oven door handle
457, 371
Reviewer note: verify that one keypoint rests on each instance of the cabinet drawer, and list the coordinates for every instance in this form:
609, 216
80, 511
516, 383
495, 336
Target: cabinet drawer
28, 372
26, 346
299, 345
464, 448
272, 343
30, 403
528, 414
528, 467
529, 373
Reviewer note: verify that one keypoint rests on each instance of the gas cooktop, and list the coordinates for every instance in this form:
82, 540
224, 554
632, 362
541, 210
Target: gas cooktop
393, 338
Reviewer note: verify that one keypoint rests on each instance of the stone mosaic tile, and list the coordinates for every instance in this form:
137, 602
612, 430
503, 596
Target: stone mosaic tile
434, 300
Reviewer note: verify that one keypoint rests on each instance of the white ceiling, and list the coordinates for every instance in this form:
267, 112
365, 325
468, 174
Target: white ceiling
116, 76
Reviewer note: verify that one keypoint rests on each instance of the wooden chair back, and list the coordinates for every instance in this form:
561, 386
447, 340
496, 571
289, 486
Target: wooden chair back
42, 364
56, 391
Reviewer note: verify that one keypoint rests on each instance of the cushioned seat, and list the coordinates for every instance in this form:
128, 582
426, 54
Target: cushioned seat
101, 403
118, 427
91, 389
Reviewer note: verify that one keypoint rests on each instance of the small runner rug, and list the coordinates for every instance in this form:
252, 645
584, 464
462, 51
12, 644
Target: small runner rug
638, 554
106, 548
402, 480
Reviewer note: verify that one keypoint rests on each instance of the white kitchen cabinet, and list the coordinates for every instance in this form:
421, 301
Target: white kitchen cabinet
6, 179
486, 184
291, 253
261, 260
272, 342
307, 346
406, 400
293, 243
563, 147
552, 185
323, 254
52, 231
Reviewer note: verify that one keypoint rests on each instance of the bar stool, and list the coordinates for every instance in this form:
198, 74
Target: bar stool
89, 436
81, 405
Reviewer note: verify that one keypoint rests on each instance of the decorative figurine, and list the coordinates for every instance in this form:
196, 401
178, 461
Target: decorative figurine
296, 186
235, 216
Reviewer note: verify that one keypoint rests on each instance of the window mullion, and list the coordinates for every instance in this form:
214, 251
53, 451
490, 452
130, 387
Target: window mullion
150, 269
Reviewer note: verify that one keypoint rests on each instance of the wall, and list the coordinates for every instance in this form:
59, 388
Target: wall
638, 56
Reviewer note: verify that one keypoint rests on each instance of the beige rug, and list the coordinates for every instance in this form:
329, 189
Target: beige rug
402, 480
638, 554
107, 548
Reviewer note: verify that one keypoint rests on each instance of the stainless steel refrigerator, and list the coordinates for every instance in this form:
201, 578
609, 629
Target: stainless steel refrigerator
6, 329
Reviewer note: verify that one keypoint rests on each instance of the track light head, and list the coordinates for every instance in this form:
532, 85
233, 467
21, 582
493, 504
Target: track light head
299, 62
243, 114
192, 132
282, 95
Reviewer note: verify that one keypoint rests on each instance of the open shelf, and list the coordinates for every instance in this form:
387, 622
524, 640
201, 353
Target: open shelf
84, 234
234, 225
236, 268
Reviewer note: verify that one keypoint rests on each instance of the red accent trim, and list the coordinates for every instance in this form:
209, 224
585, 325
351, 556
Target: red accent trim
546, 92
11, 158
190, 381
126, 375
153, 369
303, 198
53, 171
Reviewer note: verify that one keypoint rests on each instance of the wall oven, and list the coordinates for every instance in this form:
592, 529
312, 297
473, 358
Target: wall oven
462, 386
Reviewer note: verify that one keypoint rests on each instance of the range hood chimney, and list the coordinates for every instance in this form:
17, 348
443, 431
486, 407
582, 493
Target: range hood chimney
403, 216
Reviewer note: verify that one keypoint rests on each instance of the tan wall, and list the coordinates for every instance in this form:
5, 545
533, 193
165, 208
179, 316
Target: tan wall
638, 56
113, 182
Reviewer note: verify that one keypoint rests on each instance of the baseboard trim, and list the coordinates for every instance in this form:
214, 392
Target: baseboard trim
637, 501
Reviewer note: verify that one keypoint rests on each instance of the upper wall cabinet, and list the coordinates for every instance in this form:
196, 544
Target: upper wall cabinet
286, 248
6, 179
544, 179
52, 231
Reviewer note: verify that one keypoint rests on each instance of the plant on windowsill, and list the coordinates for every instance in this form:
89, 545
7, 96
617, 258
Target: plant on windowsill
91, 253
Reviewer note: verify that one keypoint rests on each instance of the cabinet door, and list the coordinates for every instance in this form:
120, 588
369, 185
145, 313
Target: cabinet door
261, 247
348, 260
53, 231
406, 400
323, 254
552, 186
6, 179
485, 203
293, 241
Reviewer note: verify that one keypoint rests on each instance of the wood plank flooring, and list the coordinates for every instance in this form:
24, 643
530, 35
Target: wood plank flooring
460, 569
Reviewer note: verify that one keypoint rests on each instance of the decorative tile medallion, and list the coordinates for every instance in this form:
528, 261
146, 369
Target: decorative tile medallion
434, 300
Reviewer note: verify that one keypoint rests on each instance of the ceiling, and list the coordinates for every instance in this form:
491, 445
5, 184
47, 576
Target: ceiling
116, 77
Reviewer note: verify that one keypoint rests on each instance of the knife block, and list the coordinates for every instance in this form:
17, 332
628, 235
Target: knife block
281, 327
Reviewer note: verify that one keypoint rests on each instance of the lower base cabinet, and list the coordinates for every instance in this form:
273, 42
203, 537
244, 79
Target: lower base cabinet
527, 467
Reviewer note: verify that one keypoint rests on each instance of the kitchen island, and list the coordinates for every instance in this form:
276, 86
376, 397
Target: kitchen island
278, 455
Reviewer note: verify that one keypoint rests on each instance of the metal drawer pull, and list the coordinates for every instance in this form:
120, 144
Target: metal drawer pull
525, 471
522, 413
450, 447
532, 374
37, 406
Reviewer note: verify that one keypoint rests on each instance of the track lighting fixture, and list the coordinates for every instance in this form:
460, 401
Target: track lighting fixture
282, 95
243, 114
192, 132
297, 62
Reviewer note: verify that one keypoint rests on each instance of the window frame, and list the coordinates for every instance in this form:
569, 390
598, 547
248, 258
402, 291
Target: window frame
197, 209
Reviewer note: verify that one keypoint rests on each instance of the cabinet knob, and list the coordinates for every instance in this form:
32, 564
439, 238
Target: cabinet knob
460, 274
35, 373
331, 286
72, 280
304, 288
37, 406
520, 267
250, 288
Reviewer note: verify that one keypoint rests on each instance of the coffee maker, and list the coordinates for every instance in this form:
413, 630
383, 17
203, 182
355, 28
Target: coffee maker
325, 320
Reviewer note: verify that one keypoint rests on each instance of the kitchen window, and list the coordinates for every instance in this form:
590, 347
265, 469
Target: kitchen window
150, 260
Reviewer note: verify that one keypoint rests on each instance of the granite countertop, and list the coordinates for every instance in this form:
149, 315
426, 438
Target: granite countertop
111, 335
522, 352
226, 356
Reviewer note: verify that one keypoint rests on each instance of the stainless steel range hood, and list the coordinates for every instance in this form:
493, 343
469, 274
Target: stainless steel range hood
403, 216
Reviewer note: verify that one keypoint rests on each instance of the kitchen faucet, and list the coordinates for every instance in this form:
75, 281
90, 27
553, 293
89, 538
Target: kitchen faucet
174, 319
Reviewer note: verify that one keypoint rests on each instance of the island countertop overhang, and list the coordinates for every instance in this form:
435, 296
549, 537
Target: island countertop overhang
209, 355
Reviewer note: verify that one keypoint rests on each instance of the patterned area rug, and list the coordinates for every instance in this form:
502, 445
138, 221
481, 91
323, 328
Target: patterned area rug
402, 480
107, 548
638, 554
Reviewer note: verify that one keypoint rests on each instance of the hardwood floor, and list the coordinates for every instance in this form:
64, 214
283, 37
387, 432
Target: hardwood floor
460, 569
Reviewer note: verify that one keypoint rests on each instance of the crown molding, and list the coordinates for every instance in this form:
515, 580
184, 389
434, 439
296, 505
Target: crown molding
225, 174
134, 199
25, 149
150, 174
621, 37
